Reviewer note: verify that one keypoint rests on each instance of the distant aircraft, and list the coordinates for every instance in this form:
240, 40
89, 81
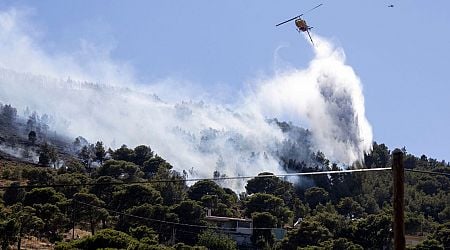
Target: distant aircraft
301, 23
391, 6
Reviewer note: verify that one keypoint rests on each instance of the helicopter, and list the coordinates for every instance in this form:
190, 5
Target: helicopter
301, 24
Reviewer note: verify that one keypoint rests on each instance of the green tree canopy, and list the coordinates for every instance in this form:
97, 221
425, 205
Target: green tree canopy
315, 196
213, 240
134, 195
42, 196
142, 154
123, 154
90, 209
99, 152
373, 231
308, 233
268, 203
13, 195
275, 186
263, 238
119, 169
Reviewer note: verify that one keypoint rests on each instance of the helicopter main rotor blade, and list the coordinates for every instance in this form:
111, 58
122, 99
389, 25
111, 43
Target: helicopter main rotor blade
289, 20
313, 8
299, 15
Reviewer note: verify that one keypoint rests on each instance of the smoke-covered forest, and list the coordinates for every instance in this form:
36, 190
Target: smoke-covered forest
132, 198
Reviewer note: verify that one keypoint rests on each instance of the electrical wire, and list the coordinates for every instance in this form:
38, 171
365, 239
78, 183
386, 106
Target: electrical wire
427, 172
169, 222
199, 179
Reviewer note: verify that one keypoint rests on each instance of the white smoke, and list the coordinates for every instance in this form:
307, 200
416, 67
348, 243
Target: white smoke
328, 96
234, 139
20, 50
20, 153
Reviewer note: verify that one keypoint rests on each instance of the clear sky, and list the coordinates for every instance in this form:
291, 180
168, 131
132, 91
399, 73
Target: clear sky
401, 54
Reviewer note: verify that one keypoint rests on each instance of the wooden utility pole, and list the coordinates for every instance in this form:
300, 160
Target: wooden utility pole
73, 219
398, 175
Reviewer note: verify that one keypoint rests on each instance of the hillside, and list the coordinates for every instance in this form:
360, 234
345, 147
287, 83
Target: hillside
133, 198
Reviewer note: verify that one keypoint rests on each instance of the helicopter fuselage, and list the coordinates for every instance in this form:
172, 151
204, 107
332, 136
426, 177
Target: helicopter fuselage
301, 25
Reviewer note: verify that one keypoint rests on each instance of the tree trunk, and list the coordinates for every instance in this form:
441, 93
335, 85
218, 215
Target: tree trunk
19, 241
92, 226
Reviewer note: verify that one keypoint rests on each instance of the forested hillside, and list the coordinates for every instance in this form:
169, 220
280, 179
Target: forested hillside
131, 198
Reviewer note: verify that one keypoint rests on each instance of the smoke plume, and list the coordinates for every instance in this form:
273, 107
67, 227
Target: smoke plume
232, 138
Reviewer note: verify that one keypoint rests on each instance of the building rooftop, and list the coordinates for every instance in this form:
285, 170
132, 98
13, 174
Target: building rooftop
219, 218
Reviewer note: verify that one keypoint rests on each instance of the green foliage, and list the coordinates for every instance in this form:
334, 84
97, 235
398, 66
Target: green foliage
268, 203
152, 165
263, 238
337, 224
42, 196
142, 154
315, 196
413, 222
74, 166
54, 219
107, 238
373, 231
86, 155
275, 186
27, 221
105, 192
339, 211
144, 234
47, 154
442, 234
379, 157
214, 197
70, 179
119, 169
135, 194
218, 241
38, 176
308, 233
89, 214
153, 213
8, 230
99, 151
340, 244
123, 154
349, 208
171, 192
205, 187
189, 212
429, 245
13, 195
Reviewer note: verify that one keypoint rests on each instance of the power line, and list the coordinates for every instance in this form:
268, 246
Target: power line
427, 172
199, 179
168, 222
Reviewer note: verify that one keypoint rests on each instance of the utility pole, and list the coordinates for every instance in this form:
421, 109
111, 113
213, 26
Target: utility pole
73, 219
398, 175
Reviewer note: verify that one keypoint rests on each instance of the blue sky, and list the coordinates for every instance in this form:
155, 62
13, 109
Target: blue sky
401, 54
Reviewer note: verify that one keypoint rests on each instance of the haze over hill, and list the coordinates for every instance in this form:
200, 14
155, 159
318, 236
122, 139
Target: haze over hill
235, 139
